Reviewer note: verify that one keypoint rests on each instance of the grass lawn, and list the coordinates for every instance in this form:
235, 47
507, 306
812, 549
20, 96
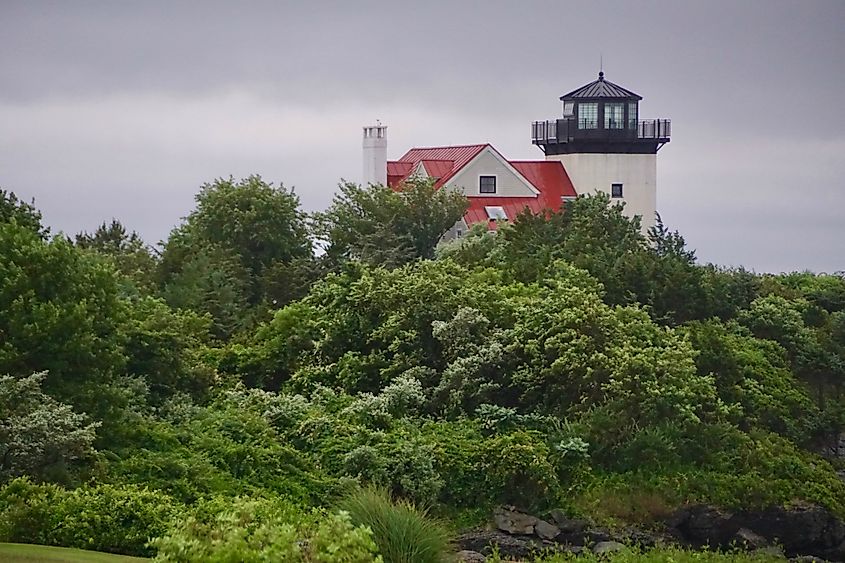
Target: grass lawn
18, 552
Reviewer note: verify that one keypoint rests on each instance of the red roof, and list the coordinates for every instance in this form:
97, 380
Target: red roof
439, 168
459, 156
548, 177
397, 171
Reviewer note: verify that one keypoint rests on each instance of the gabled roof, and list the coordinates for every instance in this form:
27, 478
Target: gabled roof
548, 178
436, 161
601, 88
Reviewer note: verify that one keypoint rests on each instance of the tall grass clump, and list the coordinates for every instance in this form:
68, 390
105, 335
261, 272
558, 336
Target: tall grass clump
403, 532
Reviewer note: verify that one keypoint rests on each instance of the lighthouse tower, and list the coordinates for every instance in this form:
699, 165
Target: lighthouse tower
605, 147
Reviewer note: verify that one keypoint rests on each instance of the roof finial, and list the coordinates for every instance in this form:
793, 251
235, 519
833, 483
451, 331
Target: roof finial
601, 66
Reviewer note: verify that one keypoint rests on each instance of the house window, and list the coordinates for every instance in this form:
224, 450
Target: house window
459, 233
613, 116
632, 115
568, 109
486, 184
615, 190
588, 116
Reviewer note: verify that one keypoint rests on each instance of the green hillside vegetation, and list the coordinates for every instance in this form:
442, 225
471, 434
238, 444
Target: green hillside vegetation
237, 396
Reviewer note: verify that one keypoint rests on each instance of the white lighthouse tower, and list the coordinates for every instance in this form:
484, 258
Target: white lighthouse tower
605, 147
375, 154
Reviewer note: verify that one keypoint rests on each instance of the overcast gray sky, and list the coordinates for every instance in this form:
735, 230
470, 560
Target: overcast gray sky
123, 109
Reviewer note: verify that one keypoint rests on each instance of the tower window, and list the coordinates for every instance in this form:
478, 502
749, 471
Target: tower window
588, 116
613, 116
632, 115
615, 190
486, 184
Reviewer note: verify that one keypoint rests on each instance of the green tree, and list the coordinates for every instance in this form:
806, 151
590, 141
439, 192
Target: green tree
127, 251
62, 313
23, 213
382, 226
39, 436
212, 281
259, 223
228, 251
164, 347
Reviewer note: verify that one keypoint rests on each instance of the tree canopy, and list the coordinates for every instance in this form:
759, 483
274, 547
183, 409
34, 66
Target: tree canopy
381, 226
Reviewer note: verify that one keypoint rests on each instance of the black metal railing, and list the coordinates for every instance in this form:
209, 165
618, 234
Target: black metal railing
565, 130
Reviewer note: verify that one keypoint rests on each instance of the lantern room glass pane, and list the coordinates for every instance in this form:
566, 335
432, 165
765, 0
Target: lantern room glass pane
588, 116
632, 115
614, 116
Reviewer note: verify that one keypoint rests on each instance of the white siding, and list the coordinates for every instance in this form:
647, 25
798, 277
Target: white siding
452, 233
592, 173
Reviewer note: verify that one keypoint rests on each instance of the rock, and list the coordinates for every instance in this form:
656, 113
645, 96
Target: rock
747, 539
514, 522
598, 535
545, 530
510, 547
799, 530
703, 525
807, 559
568, 525
607, 547
467, 556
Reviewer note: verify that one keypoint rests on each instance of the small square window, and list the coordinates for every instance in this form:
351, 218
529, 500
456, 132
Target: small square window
486, 184
615, 190
459, 233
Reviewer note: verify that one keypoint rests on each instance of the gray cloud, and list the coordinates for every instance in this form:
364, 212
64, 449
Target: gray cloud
124, 109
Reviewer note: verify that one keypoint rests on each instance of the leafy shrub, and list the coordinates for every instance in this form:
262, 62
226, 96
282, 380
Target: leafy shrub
26, 510
264, 529
116, 519
402, 532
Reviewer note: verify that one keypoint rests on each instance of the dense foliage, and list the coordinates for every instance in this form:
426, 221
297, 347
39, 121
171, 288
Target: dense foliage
235, 397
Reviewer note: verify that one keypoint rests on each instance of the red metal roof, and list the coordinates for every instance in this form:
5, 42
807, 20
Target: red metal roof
397, 171
459, 155
439, 168
549, 177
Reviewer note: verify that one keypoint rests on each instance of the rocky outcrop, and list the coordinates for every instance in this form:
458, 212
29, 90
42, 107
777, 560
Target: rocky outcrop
804, 533
800, 530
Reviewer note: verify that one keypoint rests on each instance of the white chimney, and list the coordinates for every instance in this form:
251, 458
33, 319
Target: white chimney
375, 154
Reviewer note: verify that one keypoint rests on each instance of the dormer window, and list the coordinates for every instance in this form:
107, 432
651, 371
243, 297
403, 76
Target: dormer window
588, 116
613, 116
486, 184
